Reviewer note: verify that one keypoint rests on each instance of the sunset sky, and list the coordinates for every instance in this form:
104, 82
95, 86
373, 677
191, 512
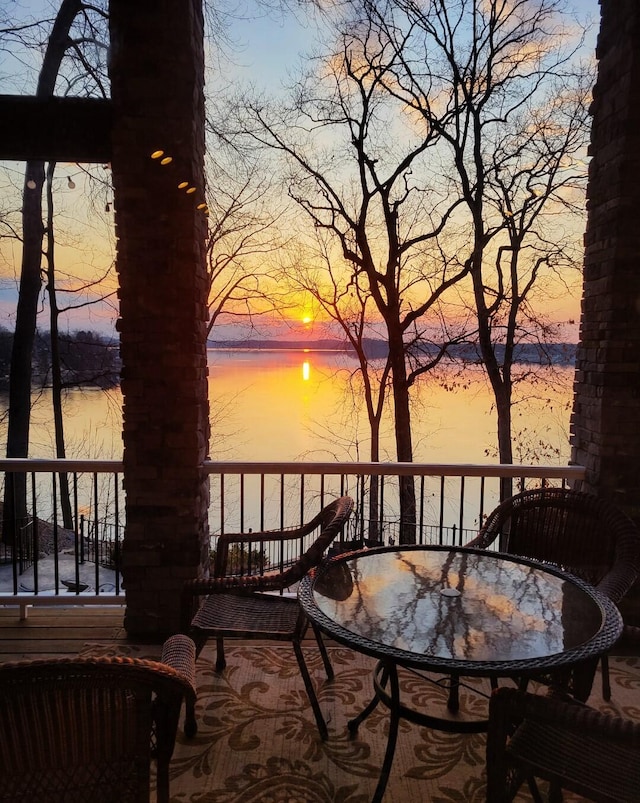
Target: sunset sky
266, 51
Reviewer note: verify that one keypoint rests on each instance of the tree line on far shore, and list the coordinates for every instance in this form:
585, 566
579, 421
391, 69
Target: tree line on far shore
87, 359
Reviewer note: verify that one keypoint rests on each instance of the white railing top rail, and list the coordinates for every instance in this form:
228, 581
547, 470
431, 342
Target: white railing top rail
399, 469
336, 468
47, 464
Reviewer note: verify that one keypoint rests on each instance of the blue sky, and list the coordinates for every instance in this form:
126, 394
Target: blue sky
269, 45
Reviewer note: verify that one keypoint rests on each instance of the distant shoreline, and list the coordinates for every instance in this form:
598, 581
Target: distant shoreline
549, 354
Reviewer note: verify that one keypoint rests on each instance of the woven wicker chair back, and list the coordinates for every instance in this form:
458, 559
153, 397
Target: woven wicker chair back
576, 531
86, 729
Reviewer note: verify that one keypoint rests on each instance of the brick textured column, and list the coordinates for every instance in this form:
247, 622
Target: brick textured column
157, 68
605, 424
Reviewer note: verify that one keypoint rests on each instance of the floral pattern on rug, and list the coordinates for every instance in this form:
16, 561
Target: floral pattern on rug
257, 739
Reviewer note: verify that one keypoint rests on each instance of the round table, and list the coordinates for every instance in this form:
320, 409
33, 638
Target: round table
455, 611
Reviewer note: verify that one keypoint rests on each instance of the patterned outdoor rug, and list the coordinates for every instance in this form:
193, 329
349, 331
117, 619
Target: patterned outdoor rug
257, 740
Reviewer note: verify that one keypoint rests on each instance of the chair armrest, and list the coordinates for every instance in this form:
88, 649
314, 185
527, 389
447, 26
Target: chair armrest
288, 534
510, 706
618, 581
179, 653
255, 539
329, 522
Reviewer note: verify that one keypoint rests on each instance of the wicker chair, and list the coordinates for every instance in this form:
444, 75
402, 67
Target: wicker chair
562, 741
86, 729
579, 532
235, 605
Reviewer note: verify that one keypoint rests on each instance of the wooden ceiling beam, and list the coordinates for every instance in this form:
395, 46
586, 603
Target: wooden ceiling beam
55, 129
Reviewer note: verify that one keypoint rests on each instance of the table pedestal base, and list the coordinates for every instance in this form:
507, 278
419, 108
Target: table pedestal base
386, 686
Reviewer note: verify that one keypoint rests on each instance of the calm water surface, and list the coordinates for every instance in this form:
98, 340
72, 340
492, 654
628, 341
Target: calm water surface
299, 405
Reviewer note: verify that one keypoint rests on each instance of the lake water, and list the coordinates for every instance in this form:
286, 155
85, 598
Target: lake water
291, 405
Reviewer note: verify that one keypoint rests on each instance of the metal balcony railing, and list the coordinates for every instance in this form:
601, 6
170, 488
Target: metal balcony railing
69, 553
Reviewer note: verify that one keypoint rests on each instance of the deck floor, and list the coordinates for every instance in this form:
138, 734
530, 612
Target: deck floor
53, 632
50, 632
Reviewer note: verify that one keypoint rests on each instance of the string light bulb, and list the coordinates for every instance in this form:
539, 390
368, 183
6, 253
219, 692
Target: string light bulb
183, 185
166, 160
157, 154
71, 183
31, 184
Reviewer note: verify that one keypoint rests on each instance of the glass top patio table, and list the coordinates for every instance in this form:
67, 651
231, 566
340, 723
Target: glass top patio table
457, 611
473, 611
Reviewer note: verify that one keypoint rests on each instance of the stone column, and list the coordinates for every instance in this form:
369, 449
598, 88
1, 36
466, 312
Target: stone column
157, 79
605, 424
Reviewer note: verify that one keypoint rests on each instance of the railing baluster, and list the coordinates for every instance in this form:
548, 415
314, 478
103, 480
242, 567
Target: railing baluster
286, 497
77, 546
35, 534
56, 556
421, 519
222, 530
281, 501
461, 511
362, 503
481, 511
116, 543
441, 517
96, 531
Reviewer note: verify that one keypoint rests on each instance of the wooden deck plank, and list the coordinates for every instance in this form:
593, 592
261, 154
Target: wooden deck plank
57, 618
58, 632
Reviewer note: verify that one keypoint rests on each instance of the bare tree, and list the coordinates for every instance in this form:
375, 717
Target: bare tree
354, 162
500, 84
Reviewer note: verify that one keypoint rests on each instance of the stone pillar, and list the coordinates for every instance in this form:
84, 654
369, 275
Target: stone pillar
157, 79
605, 424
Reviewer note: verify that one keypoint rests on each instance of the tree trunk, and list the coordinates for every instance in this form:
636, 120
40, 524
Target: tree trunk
502, 396
373, 530
404, 443
56, 368
500, 381
15, 496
